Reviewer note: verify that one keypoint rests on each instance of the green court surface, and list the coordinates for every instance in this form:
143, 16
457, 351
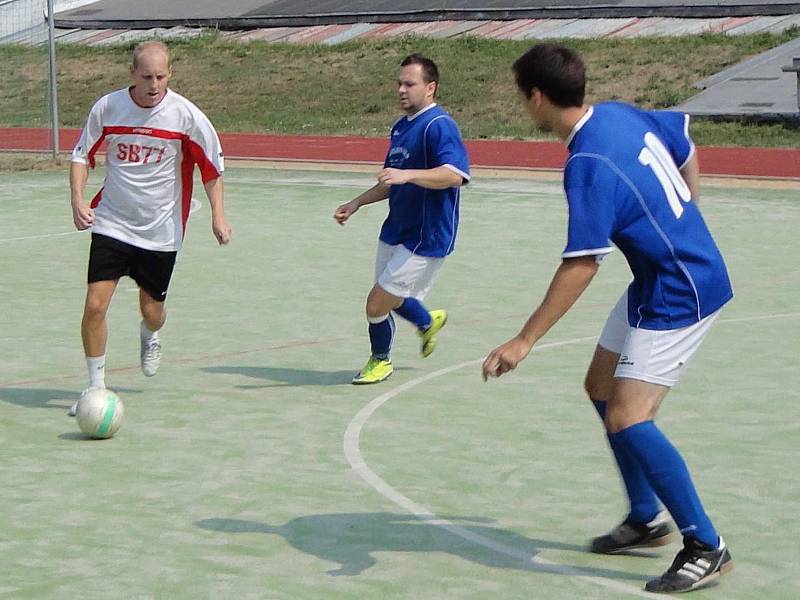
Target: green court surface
249, 467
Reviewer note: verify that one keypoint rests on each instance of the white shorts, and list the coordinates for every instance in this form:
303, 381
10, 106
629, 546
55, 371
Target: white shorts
404, 274
654, 356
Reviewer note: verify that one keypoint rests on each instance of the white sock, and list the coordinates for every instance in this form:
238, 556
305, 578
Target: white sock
97, 371
146, 334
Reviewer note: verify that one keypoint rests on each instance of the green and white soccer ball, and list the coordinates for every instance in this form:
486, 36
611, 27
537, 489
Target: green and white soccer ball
100, 413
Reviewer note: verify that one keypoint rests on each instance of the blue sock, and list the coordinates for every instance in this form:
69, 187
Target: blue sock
381, 333
413, 310
643, 502
667, 473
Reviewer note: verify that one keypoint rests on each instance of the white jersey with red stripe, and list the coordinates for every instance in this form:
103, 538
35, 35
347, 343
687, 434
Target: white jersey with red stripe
150, 158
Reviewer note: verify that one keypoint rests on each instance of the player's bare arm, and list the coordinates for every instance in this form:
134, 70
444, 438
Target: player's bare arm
438, 178
219, 224
82, 214
568, 283
376, 193
691, 175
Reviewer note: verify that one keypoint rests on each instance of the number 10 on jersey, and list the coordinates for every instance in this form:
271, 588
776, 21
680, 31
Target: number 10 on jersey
656, 156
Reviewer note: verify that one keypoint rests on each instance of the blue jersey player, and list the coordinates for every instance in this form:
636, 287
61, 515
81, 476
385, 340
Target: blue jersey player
425, 167
631, 181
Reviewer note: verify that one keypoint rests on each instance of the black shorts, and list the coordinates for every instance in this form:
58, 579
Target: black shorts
110, 259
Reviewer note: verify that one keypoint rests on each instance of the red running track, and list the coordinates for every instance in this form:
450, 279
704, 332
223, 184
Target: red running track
743, 162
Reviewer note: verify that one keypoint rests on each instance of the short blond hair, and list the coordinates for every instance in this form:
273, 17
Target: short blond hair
151, 45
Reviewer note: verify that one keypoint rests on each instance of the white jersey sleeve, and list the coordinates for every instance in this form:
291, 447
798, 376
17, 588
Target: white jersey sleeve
204, 146
91, 135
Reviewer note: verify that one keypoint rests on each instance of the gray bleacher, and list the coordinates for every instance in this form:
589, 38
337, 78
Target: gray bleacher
755, 88
260, 13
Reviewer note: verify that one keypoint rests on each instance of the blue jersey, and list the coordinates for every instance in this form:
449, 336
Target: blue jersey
425, 221
624, 187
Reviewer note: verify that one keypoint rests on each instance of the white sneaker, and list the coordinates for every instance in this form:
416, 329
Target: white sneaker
151, 356
74, 408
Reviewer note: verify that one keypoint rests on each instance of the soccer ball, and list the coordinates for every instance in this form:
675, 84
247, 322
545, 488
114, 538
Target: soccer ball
99, 413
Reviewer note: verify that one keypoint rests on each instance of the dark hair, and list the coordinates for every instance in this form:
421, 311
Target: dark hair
556, 71
430, 71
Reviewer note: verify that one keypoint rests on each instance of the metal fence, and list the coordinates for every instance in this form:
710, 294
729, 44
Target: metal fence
28, 95
22, 21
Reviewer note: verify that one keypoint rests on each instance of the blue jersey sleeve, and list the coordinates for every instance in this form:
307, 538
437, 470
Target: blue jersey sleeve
444, 146
673, 129
590, 189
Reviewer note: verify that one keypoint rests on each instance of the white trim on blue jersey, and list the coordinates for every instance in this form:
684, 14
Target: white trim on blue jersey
692, 148
457, 171
419, 112
579, 125
588, 252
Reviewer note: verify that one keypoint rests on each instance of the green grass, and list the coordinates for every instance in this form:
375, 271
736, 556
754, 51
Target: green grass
349, 88
229, 479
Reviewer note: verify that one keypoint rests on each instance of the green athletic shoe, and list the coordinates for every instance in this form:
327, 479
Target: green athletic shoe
438, 319
375, 371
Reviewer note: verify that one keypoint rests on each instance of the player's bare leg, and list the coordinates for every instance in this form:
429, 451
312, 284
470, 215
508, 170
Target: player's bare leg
94, 328
599, 381
633, 401
381, 302
646, 525
154, 313
94, 332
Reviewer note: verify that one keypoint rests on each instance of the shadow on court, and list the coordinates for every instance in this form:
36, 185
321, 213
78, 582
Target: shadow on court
350, 539
79, 436
287, 377
39, 398
47, 398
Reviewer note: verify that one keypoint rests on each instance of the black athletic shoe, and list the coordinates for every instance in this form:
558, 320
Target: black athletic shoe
629, 535
698, 564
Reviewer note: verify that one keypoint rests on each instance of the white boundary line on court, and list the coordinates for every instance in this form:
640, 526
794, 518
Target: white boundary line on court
353, 453
760, 318
37, 237
194, 206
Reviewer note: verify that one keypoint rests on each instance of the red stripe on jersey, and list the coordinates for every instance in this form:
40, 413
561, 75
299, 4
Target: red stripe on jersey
187, 181
148, 131
191, 151
97, 197
193, 154
95, 148
123, 130
208, 171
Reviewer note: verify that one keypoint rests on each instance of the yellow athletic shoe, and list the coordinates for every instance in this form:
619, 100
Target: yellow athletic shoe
438, 319
375, 371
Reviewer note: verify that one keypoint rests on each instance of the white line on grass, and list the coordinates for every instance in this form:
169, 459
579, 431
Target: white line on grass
760, 318
353, 453
194, 207
40, 236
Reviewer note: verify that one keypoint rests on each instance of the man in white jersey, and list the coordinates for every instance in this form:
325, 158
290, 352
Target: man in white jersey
154, 138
